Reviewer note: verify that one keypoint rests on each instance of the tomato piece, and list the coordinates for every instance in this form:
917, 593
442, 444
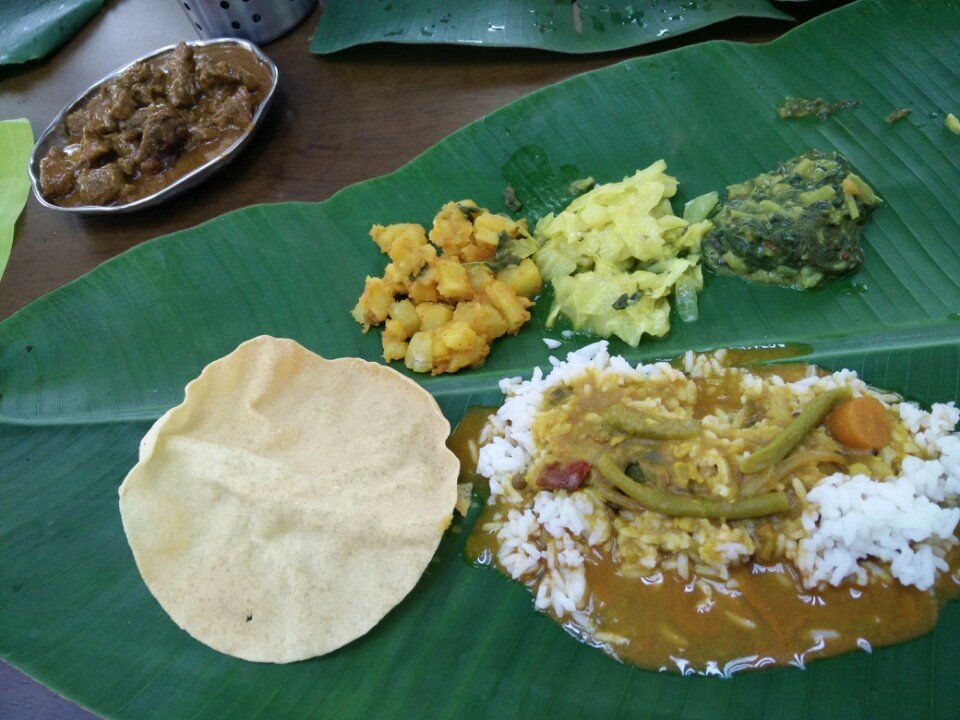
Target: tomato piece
564, 476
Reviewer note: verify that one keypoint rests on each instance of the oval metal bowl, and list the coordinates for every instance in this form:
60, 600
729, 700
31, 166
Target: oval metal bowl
56, 134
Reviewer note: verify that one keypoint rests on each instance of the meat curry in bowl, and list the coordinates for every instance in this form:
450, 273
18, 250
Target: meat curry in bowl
153, 128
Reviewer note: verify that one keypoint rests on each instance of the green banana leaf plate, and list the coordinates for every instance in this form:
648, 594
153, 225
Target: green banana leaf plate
16, 143
584, 26
84, 370
32, 29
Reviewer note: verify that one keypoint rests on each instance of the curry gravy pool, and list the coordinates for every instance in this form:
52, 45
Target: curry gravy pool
761, 615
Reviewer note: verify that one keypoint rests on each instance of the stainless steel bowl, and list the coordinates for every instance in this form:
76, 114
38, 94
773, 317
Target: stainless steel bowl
56, 134
258, 20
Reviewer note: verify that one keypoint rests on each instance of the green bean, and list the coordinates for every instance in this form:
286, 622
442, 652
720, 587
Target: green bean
609, 494
783, 444
633, 423
686, 505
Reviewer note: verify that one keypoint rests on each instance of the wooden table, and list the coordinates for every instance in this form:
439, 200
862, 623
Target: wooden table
336, 121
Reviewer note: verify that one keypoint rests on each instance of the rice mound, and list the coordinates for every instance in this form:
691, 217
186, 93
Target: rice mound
851, 526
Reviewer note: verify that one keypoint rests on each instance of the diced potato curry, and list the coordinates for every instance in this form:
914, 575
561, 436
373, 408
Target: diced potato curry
442, 301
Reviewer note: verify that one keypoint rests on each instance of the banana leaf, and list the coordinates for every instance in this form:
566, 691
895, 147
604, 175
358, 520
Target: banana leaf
16, 142
85, 369
32, 29
579, 27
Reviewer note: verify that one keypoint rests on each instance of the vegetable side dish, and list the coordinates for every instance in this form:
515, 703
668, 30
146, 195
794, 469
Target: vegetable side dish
714, 514
797, 226
154, 123
614, 256
442, 312
617, 253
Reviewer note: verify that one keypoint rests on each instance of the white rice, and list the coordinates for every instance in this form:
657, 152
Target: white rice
897, 521
568, 521
907, 522
551, 343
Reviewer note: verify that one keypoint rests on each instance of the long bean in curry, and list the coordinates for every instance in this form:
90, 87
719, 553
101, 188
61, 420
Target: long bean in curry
783, 444
676, 505
609, 494
760, 482
625, 420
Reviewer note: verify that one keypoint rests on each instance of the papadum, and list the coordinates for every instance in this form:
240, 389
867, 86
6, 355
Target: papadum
290, 501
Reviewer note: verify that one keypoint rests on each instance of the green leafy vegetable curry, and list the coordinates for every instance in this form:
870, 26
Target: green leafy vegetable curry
797, 226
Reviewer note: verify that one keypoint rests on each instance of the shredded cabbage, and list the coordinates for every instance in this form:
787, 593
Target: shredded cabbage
615, 254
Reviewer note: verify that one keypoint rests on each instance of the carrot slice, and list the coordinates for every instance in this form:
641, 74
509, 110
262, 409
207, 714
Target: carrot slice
861, 424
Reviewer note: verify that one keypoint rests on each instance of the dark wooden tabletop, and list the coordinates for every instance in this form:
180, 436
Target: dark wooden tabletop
336, 121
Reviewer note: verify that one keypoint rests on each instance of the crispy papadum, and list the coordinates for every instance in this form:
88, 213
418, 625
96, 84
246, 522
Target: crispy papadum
290, 501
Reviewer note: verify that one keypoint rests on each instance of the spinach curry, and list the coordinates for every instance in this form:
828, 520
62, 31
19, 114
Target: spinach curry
797, 226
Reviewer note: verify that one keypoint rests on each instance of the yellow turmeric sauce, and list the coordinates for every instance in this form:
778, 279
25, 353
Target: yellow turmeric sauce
701, 625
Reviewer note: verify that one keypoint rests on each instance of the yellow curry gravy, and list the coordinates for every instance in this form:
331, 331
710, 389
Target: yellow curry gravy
768, 619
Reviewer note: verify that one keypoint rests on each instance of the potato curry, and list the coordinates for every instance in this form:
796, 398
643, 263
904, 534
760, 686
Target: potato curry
443, 301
